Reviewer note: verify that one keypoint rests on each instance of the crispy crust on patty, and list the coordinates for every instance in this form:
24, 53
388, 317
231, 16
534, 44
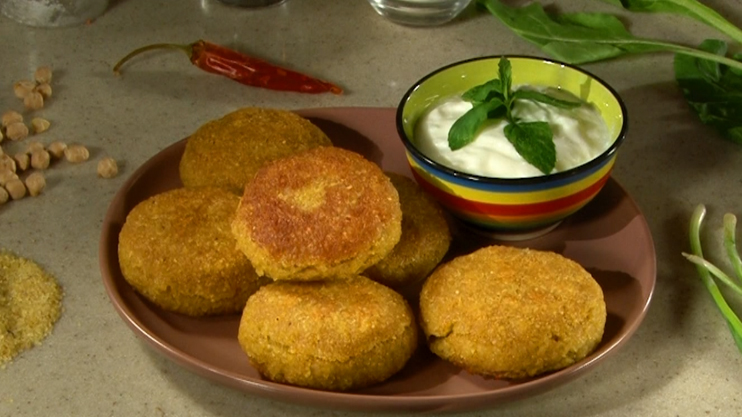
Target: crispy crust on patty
323, 213
512, 313
227, 152
332, 335
425, 238
177, 250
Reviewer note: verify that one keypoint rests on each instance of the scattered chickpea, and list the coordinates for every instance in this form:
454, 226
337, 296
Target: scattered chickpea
56, 149
43, 75
76, 153
6, 176
4, 196
16, 131
16, 189
34, 146
33, 101
22, 161
10, 117
107, 167
1, 139
6, 162
35, 183
40, 159
23, 87
39, 124
44, 89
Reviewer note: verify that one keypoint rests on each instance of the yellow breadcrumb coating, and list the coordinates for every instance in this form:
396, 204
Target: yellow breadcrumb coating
227, 152
176, 249
425, 238
512, 313
322, 213
334, 335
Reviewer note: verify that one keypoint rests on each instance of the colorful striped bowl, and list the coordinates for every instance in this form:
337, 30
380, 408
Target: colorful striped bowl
511, 207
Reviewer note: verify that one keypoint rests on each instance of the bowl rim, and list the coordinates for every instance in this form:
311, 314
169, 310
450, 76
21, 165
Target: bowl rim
557, 176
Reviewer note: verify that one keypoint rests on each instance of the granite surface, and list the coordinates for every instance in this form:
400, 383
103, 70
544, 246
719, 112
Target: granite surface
681, 362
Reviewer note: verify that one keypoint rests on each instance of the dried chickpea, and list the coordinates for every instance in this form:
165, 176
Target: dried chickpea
107, 167
22, 161
35, 183
39, 124
1, 139
43, 75
44, 89
10, 117
34, 146
33, 101
56, 149
23, 87
4, 196
16, 189
76, 153
40, 159
6, 162
6, 176
16, 131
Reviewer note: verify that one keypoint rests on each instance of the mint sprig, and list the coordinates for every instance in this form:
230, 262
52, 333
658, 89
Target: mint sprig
494, 100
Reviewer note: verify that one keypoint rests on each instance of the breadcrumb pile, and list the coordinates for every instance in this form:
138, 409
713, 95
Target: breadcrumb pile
30, 305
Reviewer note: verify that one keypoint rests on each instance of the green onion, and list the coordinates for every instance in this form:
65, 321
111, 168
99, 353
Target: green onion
706, 269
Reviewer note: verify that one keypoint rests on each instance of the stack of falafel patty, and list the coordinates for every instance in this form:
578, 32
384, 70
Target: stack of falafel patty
314, 244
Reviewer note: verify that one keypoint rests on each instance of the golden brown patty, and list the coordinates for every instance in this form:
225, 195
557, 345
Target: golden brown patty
335, 335
177, 250
229, 151
323, 213
512, 313
425, 238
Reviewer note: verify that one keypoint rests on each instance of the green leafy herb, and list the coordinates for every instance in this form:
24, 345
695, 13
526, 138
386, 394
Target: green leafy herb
534, 142
713, 91
495, 100
690, 8
711, 81
706, 269
465, 128
579, 38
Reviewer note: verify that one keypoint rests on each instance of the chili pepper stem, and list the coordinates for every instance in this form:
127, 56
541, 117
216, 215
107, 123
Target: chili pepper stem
188, 49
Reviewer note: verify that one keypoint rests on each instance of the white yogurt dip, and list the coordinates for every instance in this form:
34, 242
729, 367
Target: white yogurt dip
580, 134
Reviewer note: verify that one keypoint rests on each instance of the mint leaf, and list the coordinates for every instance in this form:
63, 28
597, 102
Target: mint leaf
506, 80
534, 142
466, 127
484, 92
532, 95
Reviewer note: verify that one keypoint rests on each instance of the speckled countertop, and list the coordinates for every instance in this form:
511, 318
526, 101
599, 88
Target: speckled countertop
681, 362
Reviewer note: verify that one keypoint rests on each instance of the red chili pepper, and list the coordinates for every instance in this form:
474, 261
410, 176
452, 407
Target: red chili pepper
242, 68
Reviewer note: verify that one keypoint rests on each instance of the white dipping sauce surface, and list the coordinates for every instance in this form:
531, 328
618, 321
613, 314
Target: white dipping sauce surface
580, 134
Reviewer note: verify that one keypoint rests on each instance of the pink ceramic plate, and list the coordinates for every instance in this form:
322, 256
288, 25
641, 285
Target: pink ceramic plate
609, 237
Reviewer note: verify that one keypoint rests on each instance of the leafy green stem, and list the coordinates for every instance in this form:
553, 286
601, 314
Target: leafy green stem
732, 319
691, 8
730, 243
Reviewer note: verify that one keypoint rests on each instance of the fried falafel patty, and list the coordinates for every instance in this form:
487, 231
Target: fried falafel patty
338, 335
323, 213
227, 152
512, 313
177, 250
425, 238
